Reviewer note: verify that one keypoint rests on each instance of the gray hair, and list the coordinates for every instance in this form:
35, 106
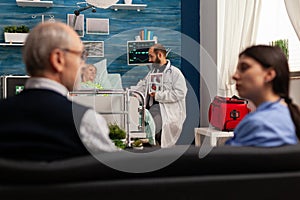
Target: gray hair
41, 41
85, 68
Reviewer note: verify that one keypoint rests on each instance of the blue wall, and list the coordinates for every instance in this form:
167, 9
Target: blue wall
163, 17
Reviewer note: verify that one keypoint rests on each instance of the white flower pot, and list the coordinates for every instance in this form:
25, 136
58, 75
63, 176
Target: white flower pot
128, 1
15, 37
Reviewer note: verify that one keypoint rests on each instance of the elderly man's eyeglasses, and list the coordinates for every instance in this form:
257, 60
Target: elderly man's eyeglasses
83, 54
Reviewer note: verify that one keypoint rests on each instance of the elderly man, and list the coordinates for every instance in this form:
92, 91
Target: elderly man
41, 123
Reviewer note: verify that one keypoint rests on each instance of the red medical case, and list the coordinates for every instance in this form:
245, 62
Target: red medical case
225, 113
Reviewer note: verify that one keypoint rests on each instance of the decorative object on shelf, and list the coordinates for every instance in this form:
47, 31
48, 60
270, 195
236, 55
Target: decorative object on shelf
34, 3
128, 1
52, 19
15, 34
137, 7
283, 44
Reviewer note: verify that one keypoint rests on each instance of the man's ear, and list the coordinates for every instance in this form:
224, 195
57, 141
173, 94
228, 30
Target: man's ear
57, 60
159, 55
270, 75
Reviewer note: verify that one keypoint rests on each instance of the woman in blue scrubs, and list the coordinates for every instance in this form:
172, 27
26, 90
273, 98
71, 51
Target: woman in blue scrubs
262, 76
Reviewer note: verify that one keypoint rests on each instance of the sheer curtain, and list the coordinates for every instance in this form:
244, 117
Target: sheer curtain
293, 10
237, 29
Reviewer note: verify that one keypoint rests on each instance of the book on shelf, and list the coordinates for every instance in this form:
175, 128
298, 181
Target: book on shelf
150, 35
146, 34
142, 34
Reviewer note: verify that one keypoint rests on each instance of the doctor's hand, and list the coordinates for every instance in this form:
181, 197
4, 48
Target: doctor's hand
152, 94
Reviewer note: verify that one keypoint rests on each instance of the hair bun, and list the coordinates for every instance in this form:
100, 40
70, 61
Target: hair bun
288, 100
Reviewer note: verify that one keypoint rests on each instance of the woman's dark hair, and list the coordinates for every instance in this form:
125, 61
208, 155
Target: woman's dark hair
273, 57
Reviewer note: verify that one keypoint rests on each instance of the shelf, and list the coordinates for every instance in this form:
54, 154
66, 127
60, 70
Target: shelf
11, 44
137, 7
34, 3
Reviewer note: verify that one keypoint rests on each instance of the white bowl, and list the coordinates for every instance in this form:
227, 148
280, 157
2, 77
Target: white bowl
138, 148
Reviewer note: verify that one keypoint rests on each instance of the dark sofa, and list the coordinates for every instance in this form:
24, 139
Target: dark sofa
225, 173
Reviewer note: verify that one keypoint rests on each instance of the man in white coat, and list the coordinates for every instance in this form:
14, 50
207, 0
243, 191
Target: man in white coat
166, 101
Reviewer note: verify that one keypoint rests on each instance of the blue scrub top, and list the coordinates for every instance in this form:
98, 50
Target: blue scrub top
269, 126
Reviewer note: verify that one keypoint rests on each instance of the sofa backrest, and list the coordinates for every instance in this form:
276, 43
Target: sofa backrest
226, 172
220, 161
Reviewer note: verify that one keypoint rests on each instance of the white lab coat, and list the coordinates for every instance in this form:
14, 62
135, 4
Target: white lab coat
172, 103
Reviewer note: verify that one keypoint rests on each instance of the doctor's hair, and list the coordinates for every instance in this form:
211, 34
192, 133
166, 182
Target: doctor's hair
273, 57
159, 48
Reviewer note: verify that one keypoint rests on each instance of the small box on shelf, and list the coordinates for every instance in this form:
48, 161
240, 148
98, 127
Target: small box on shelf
137, 7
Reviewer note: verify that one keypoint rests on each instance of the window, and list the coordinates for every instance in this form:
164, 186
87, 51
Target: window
274, 24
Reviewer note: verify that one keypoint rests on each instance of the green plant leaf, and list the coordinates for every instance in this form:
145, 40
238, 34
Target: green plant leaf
115, 132
283, 44
120, 144
16, 29
137, 143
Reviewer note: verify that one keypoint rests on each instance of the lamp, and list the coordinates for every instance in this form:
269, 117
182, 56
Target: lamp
95, 3
102, 3
92, 4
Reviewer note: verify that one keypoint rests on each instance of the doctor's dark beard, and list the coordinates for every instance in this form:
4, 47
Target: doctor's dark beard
156, 64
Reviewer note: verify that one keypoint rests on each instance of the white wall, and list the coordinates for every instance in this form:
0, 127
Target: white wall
294, 91
208, 56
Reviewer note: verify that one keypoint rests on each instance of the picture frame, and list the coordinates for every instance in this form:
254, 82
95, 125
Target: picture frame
97, 26
94, 48
155, 82
77, 23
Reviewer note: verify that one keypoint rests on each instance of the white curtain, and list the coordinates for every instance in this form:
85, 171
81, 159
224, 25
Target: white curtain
293, 10
237, 29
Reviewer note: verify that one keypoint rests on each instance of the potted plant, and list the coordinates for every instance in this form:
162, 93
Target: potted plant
137, 144
17, 34
117, 135
283, 44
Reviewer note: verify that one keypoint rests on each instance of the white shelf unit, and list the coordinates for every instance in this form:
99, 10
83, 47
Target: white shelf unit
137, 7
34, 3
11, 44
212, 133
